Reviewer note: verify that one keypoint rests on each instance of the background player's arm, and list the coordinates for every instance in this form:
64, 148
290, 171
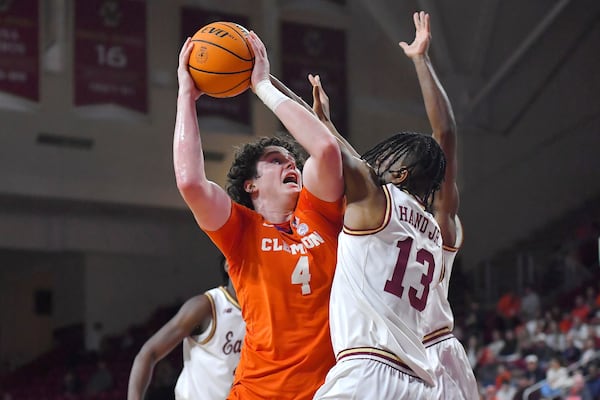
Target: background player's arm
209, 203
197, 311
322, 174
365, 200
441, 118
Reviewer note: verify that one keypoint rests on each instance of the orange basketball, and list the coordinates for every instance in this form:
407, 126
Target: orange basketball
221, 61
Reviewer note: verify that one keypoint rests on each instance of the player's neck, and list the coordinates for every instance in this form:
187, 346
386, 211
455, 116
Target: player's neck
276, 210
231, 290
275, 215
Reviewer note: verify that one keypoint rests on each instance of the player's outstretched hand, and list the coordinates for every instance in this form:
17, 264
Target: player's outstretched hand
261, 69
320, 99
420, 45
186, 84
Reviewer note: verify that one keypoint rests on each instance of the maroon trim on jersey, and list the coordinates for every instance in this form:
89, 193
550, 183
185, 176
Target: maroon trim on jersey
386, 218
230, 297
372, 353
213, 325
459, 237
437, 336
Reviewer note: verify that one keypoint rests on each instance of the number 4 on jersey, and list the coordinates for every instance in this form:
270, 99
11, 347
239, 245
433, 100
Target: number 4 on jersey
301, 275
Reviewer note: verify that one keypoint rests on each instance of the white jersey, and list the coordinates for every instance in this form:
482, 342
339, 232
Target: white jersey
455, 378
210, 359
381, 286
438, 312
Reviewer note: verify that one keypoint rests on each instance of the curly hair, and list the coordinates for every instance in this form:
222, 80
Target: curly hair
421, 155
245, 160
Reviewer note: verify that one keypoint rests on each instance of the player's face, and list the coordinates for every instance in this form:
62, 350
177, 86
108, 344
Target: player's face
277, 173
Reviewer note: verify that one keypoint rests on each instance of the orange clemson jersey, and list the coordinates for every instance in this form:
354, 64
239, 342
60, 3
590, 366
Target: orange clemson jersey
283, 276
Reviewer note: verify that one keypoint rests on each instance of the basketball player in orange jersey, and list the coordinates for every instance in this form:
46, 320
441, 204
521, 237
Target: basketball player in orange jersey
449, 366
277, 227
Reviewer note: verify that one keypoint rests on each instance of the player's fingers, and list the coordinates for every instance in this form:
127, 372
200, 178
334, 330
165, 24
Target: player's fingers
416, 19
184, 49
257, 45
426, 20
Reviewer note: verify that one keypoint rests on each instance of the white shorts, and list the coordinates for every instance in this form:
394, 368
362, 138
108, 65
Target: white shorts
369, 378
455, 378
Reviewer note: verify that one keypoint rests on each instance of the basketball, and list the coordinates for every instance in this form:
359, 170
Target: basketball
221, 61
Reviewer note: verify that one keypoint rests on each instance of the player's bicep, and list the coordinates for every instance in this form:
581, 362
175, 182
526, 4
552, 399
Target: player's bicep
324, 177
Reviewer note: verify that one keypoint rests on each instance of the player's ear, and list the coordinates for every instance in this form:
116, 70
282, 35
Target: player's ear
399, 176
249, 186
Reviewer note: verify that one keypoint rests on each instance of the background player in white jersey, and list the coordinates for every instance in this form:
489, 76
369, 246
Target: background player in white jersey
442, 346
212, 330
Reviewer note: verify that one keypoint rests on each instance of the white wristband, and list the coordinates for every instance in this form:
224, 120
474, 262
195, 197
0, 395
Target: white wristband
269, 94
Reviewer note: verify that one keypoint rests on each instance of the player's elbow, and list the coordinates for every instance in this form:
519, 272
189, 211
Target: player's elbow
328, 149
146, 356
190, 188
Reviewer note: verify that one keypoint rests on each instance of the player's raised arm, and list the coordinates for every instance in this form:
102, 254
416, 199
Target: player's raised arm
359, 179
194, 312
322, 174
441, 118
209, 203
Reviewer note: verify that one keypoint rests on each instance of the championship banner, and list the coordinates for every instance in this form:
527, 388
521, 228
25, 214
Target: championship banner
110, 64
236, 109
19, 48
307, 49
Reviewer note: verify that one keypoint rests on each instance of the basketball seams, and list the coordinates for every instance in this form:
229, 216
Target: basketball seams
219, 72
229, 89
225, 49
236, 29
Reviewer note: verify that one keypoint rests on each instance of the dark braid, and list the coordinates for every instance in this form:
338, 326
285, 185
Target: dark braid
420, 154
244, 164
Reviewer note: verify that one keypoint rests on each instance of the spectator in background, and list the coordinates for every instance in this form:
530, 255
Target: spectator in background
581, 309
541, 349
510, 351
101, 379
502, 375
506, 390
557, 380
533, 374
592, 385
589, 351
508, 309
474, 322
71, 383
530, 304
577, 389
94, 338
496, 345
473, 350
566, 322
571, 353
579, 331
590, 299
554, 337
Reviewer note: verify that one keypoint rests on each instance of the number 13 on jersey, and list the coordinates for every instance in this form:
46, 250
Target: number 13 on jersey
301, 275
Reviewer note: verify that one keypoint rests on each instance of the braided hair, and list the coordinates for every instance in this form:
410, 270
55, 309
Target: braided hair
419, 154
245, 160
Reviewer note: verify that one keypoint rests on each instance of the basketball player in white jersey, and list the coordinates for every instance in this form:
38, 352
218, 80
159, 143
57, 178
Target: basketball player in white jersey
442, 347
212, 330
387, 271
